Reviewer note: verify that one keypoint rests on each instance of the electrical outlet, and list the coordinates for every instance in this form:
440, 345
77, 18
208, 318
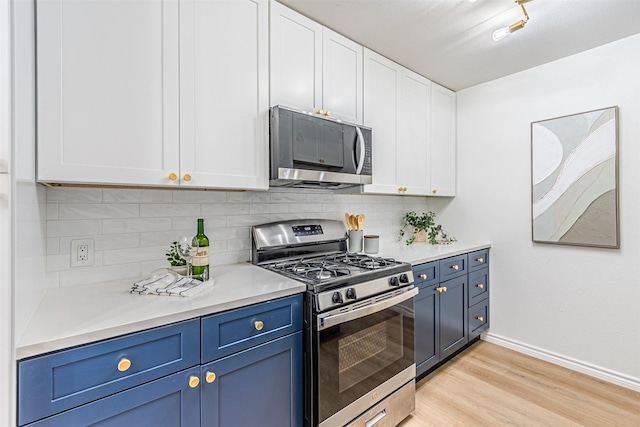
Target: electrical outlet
81, 252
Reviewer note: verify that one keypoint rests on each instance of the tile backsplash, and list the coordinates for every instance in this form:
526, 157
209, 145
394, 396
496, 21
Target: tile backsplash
132, 228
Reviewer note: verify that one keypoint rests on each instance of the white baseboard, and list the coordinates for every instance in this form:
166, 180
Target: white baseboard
567, 362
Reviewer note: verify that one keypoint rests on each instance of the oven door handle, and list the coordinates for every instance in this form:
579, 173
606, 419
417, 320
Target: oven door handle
336, 319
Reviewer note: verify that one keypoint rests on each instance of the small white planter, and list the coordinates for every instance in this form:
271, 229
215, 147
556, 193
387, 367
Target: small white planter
180, 269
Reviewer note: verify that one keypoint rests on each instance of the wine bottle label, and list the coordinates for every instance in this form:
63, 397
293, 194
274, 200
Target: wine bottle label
202, 257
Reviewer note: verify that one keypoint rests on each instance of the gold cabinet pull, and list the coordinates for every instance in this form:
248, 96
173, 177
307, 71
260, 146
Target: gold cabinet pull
434, 191
173, 176
444, 289
320, 111
210, 377
480, 318
480, 259
455, 267
258, 325
124, 364
423, 276
441, 289
194, 381
187, 177
480, 285
327, 113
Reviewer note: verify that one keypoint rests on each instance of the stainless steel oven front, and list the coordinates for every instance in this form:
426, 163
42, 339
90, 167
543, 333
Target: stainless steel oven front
360, 354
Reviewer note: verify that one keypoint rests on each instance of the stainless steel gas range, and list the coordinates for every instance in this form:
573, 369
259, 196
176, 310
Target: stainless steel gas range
359, 348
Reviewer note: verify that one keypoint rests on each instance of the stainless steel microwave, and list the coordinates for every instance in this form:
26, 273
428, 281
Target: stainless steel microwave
309, 150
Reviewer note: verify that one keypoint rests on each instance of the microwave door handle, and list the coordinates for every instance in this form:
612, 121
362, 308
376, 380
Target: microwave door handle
360, 163
336, 319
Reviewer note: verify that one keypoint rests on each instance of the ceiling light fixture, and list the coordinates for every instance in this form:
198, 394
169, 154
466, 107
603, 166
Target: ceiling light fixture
501, 33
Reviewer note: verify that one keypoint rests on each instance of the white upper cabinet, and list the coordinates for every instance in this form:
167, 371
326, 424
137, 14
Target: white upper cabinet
154, 93
396, 107
224, 93
443, 141
314, 68
107, 91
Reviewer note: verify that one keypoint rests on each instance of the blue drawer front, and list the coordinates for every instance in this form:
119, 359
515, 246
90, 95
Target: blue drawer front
478, 259
478, 318
453, 267
64, 380
426, 274
478, 286
166, 402
261, 386
233, 331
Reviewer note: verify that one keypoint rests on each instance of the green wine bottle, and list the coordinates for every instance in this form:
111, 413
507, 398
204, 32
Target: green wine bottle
201, 260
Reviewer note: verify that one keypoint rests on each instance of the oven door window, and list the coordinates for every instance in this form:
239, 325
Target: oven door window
357, 356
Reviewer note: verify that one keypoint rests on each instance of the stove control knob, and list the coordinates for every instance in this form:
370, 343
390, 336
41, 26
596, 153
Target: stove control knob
393, 281
351, 293
337, 298
404, 278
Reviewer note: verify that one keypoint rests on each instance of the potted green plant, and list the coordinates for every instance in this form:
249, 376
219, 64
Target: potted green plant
423, 228
178, 264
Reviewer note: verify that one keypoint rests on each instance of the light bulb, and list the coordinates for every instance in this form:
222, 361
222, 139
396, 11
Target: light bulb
501, 33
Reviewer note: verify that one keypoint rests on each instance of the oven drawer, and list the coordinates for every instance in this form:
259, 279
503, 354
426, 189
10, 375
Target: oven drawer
426, 274
66, 379
478, 259
478, 318
391, 411
478, 286
236, 330
453, 267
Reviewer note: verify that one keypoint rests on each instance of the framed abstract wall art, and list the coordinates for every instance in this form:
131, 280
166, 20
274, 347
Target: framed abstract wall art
574, 176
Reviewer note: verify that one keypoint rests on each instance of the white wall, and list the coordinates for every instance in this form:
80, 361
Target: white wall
576, 306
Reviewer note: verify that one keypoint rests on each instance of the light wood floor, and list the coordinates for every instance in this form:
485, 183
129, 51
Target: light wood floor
488, 385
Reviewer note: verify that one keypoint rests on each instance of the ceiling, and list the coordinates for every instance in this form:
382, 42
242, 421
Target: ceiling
449, 41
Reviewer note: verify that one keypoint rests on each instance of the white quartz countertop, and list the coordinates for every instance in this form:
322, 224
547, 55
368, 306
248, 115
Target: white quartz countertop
71, 316
419, 253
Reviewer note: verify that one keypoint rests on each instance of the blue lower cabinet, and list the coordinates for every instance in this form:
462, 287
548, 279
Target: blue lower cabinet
427, 309
261, 386
170, 401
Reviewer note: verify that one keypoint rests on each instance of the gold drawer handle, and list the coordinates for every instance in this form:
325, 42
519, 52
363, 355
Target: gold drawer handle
327, 113
480, 318
210, 377
445, 289
434, 191
480, 259
455, 267
423, 276
320, 112
258, 325
194, 381
187, 177
173, 176
480, 285
124, 364
441, 289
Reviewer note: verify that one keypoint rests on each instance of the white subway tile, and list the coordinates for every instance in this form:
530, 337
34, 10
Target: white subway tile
248, 197
262, 208
156, 210
288, 197
59, 262
229, 233
210, 222
148, 266
53, 245
73, 227
184, 196
163, 238
52, 211
321, 198
304, 207
106, 211
126, 195
126, 256
74, 195
238, 245
225, 209
113, 226
247, 220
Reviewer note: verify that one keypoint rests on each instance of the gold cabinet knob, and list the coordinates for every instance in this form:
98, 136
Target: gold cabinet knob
434, 191
444, 289
440, 289
327, 113
210, 377
480, 318
173, 176
186, 177
455, 267
258, 325
423, 276
480, 286
320, 111
194, 381
480, 259
124, 364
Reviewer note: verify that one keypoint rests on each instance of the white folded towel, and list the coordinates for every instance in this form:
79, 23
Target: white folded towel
168, 284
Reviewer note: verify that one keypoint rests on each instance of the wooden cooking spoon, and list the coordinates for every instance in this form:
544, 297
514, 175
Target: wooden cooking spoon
361, 219
347, 217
